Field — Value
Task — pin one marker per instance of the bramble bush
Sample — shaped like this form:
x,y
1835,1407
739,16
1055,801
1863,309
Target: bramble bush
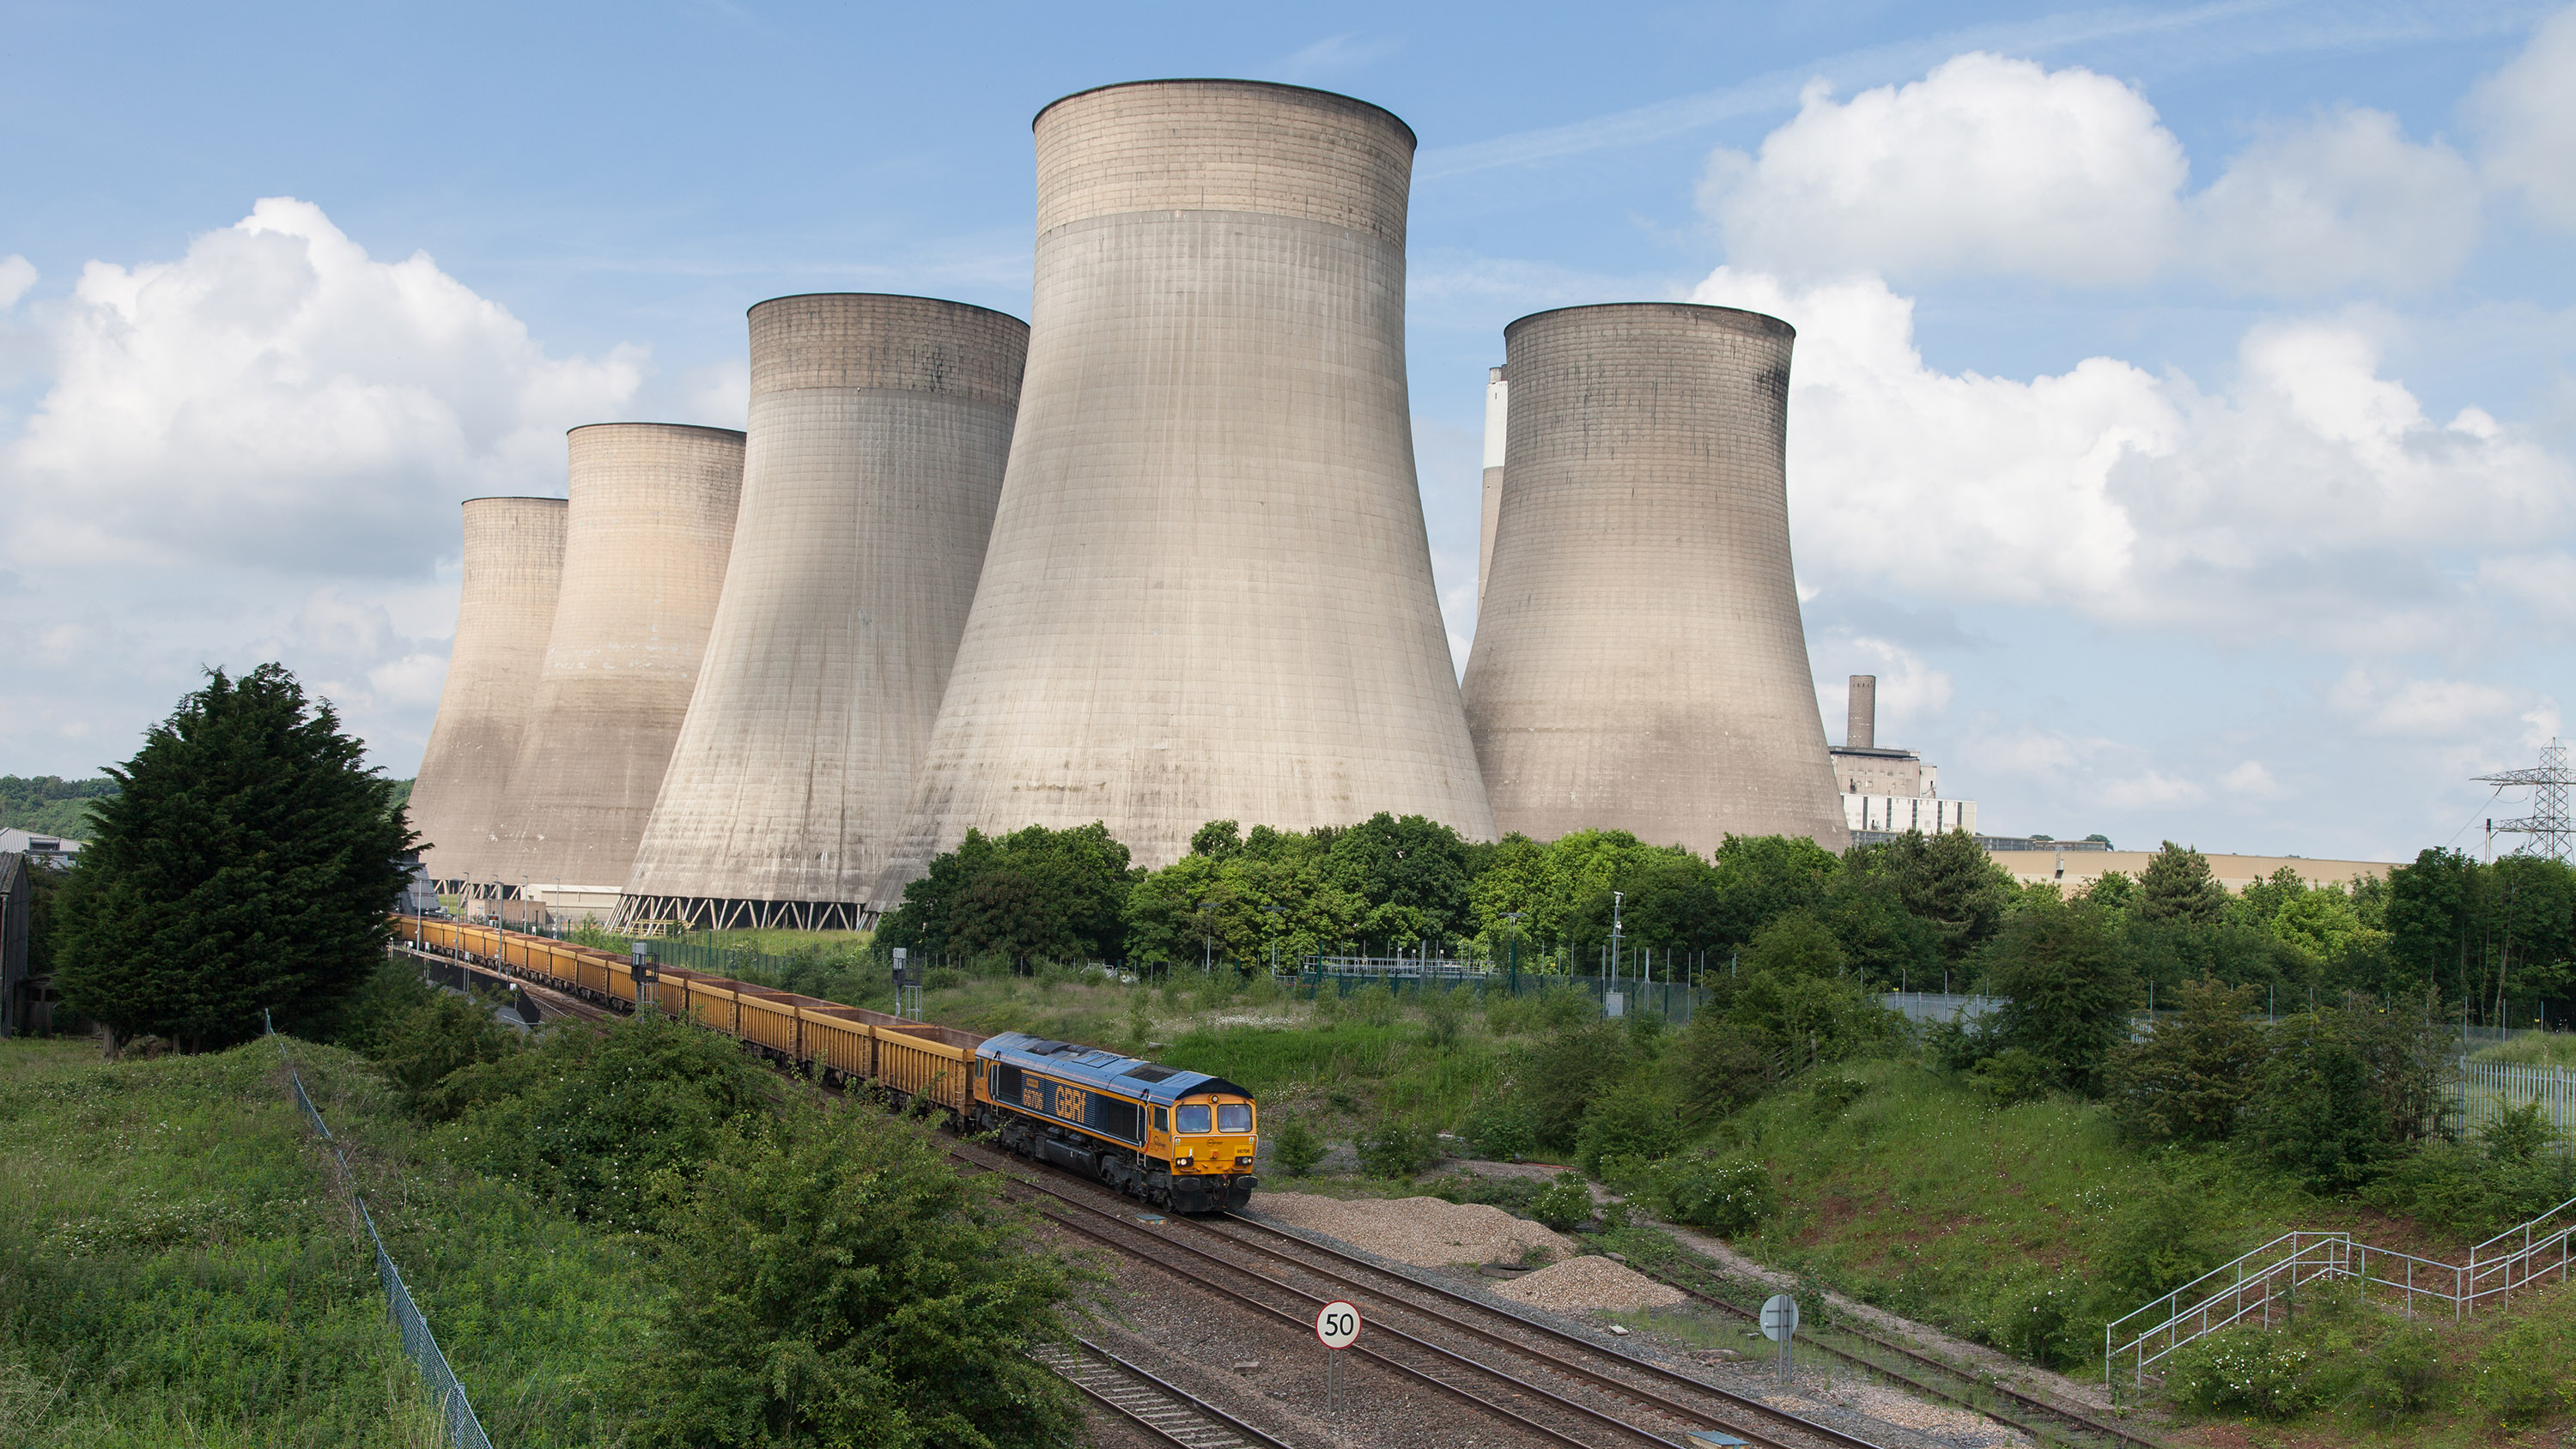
x,y
2250,1371
1499,1127
1397,1149
1566,1203
1295,1148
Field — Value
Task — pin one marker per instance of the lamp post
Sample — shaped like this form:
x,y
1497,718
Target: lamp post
x,y
1615,898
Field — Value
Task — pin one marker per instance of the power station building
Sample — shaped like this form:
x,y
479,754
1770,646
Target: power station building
x,y
1886,793
1209,588
879,430
1639,662
646,536
514,550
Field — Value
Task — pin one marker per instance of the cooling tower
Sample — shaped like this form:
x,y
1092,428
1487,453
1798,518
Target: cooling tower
x,y
1209,591
514,551
1498,397
879,430
645,541
1639,662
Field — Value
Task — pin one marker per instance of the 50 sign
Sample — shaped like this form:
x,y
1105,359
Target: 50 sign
x,y
1337,1325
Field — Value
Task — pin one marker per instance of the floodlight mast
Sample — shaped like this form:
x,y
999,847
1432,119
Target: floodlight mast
x,y
2552,834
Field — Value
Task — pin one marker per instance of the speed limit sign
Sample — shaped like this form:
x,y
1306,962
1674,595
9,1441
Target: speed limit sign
x,y
1337,1325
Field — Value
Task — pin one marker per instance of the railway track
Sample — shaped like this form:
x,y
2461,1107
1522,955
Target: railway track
x,y
2065,1426
1161,1408
1533,1407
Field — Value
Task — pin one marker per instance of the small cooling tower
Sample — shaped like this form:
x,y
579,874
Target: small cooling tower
x,y
1209,590
1639,662
514,551
879,429
645,542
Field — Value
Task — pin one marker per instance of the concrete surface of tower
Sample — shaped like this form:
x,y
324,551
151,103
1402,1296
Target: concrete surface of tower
x,y
645,543
879,429
513,558
1639,662
1209,591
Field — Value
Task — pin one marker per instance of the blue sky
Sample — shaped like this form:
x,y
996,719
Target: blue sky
x,y
2182,425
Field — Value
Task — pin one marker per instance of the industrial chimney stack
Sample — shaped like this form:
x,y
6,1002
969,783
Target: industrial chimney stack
x,y
1860,727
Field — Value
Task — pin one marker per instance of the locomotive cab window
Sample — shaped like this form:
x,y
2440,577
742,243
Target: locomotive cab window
x,y
1162,1120
1234,1117
1193,1117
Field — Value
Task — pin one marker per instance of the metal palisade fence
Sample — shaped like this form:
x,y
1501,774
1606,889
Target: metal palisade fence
x,y
2489,1089
455,1411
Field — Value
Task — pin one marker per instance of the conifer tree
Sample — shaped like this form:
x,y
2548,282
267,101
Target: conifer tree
x,y
247,863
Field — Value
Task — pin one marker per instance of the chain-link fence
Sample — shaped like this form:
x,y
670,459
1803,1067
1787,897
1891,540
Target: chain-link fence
x,y
464,1430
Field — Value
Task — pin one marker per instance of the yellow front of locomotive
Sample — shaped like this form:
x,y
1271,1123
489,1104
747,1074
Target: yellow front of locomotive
x,y
1214,1140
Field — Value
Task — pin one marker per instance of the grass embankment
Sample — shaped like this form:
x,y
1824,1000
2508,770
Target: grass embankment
x,y
175,1267
2557,1049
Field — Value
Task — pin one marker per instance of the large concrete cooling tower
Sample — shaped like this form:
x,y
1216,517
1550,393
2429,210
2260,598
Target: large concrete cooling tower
x,y
1639,662
879,429
513,564
645,541
1209,591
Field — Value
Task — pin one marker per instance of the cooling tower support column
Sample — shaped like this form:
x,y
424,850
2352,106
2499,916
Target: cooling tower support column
x,y
1209,590
1639,662
879,430
645,541
513,566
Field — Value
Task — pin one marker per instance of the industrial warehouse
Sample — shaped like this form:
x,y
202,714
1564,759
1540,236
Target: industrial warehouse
x,y
1156,558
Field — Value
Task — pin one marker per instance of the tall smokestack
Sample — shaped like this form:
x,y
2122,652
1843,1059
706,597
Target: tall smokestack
x,y
1860,728
879,428
514,551
1498,401
1639,662
1209,590
645,541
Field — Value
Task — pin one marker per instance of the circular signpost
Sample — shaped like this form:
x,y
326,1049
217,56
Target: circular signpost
x,y
1337,1327
1779,1324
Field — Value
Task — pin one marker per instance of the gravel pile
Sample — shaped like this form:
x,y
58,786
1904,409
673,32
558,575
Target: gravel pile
x,y
1423,1231
1590,1282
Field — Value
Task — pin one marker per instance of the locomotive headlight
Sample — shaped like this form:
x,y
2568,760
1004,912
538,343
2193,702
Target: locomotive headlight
x,y
1188,1158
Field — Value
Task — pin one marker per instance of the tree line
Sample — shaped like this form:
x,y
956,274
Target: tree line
x,y
1917,912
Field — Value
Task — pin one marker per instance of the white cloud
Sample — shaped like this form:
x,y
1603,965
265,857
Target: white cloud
x,y
2527,113
1986,164
277,398
254,451
2344,200
2251,781
2147,791
2382,701
1336,55
1910,691
2304,502
1996,165
17,274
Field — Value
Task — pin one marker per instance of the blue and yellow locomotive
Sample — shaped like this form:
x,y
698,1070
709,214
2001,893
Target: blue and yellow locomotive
x,y
1176,1139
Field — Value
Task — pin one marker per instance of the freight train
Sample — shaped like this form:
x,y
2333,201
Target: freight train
x,y
1176,1139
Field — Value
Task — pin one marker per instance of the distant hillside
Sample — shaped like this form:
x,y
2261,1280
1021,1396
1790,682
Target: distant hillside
x,y
50,804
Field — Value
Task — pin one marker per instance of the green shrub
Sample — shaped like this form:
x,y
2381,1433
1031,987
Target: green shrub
x,y
1705,1191
425,1046
1566,1008
1375,1005
2399,1378
1832,1096
2249,1371
1499,1127
2036,1317
1294,1147
1723,1066
1444,1016
1564,1203
2013,1076
1633,1122
2523,1376
1511,1194
1397,1149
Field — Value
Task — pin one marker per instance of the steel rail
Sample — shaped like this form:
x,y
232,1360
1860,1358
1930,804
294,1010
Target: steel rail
x,y
1407,1370
1787,1418
2044,1406
1183,1396
1643,1396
